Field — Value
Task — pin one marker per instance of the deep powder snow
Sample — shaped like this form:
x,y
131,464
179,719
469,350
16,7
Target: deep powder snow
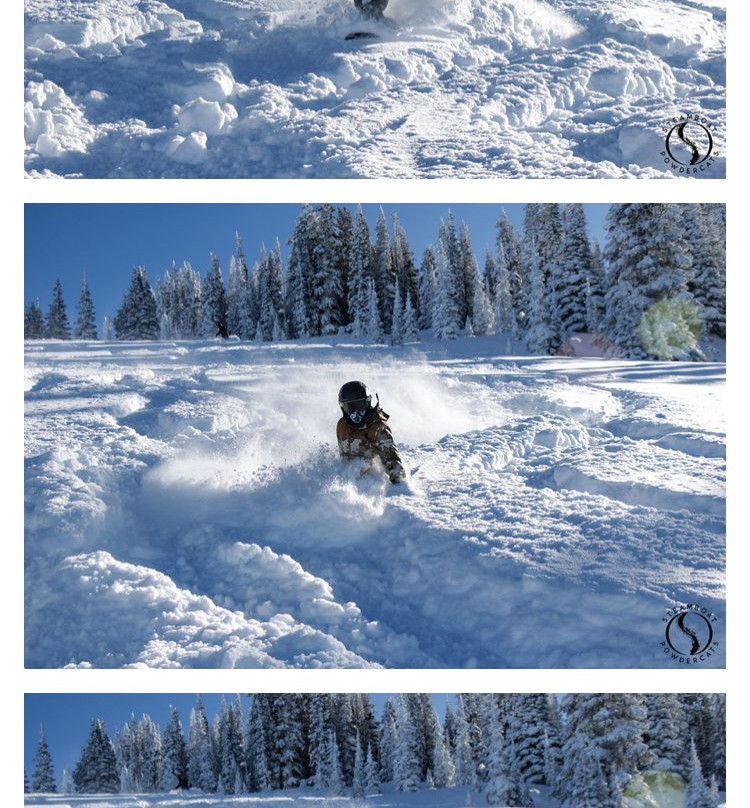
x,y
185,506
452,88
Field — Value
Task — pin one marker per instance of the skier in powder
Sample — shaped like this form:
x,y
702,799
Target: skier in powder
x,y
373,9
363,431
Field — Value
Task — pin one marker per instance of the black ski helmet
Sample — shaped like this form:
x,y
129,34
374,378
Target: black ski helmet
x,y
355,401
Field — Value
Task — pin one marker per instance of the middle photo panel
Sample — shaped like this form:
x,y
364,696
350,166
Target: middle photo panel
x,y
398,435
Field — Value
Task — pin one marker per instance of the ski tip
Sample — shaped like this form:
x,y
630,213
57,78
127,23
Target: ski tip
x,y
362,35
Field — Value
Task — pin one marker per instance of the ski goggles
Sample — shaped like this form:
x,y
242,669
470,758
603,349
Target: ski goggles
x,y
357,407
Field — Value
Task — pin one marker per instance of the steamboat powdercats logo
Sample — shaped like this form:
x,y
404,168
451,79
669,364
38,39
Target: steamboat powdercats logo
x,y
689,634
688,144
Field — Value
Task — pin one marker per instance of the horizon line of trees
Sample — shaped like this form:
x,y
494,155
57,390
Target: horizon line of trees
x,y
587,748
656,286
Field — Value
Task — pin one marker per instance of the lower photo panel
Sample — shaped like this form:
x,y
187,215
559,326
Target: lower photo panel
x,y
407,750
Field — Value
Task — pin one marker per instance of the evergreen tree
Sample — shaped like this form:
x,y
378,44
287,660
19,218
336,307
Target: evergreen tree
x,y
699,729
397,320
85,327
67,782
372,779
360,273
647,261
698,793
410,328
509,262
325,291
707,245
497,282
573,273
383,271
374,327
150,746
609,727
108,329
443,768
295,296
407,776
200,764
214,306
360,775
595,290
363,715
96,770
463,757
263,283
342,253
719,712
542,235
239,292
257,744
174,753
540,330
467,277
57,316
405,269
426,289
137,317
445,310
345,731
665,731
553,744
388,740
321,726
504,783
528,732
33,321
483,317
189,312
336,783
449,730
586,784
43,778
287,742
230,743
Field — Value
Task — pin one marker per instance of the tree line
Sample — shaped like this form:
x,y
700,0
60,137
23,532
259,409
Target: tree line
x,y
589,749
657,285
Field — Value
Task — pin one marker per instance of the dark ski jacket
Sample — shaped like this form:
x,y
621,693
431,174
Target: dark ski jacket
x,y
371,8
372,438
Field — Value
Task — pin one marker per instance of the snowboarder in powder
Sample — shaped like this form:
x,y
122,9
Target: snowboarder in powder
x,y
363,431
373,9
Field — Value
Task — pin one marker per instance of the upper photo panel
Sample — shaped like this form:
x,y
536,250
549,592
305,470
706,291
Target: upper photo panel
x,y
375,88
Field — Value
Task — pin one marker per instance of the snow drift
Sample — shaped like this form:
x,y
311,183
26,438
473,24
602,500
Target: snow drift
x,y
185,506
142,88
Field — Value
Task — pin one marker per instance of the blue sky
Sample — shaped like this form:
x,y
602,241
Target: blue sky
x,y
67,717
107,240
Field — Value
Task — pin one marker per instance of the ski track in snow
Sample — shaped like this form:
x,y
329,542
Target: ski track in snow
x,y
453,88
186,507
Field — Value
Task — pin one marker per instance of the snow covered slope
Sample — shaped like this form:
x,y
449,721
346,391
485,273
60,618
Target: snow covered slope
x,y
435,798
185,506
453,88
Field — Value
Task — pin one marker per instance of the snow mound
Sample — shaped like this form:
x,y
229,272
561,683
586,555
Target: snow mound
x,y
91,23
159,625
53,123
274,89
186,506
